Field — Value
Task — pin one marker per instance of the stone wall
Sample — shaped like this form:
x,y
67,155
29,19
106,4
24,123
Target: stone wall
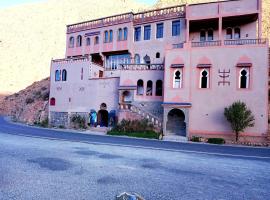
x,y
59,119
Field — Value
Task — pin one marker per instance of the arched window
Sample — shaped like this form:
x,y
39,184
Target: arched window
x,y
125,33
204,79
106,36
137,59
177,80
71,42
64,75
210,35
111,36
149,88
120,34
159,88
52,101
57,75
157,55
88,41
140,89
96,40
79,41
202,35
244,78
237,33
228,33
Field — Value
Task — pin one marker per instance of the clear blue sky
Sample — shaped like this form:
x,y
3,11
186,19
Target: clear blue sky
x,y
7,3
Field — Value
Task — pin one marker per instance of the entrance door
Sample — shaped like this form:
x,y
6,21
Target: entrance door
x,y
176,123
103,118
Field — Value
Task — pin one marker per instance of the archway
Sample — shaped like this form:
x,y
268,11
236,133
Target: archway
x,y
103,118
176,123
126,97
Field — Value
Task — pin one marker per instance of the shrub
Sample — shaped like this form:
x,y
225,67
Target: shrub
x,y
61,126
37,94
44,88
44,123
45,96
29,100
78,121
216,141
195,139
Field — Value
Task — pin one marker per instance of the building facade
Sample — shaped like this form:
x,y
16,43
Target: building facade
x,y
179,67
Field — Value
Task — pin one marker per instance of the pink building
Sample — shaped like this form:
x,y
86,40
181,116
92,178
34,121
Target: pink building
x,y
177,66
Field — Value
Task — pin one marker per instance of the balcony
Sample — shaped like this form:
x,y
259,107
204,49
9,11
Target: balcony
x,y
206,43
246,42
178,46
141,67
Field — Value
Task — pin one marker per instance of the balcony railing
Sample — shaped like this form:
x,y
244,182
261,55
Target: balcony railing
x,y
178,46
206,43
141,67
245,41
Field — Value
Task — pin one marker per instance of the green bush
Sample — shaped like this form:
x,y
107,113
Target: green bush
x,y
61,126
78,121
195,139
29,100
45,96
216,141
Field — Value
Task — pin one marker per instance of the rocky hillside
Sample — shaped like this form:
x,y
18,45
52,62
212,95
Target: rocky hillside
x,y
29,105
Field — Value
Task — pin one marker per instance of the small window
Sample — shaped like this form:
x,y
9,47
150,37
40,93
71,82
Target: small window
x,y
237,33
125,33
140,89
177,81
228,33
176,28
106,36
137,34
210,35
244,79
147,32
120,34
202,36
159,33
96,40
64,75
88,41
157,55
71,42
149,88
79,41
159,88
57,75
111,36
137,59
52,101
204,79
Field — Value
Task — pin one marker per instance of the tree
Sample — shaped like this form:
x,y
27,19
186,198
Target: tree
x,y
239,116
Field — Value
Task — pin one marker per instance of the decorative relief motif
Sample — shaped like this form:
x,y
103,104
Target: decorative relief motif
x,y
59,88
224,75
104,83
81,89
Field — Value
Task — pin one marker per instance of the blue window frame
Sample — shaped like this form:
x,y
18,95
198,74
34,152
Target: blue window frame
x,y
137,34
125,33
111,36
160,30
57,75
106,37
147,32
176,28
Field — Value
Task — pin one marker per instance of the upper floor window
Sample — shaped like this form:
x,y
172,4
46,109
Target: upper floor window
x,y
120,34
125,33
71,42
79,41
244,78
52,101
137,34
64,75
159,88
88,41
140,89
157,55
57,75
177,81
96,40
202,36
149,88
210,35
237,33
159,33
147,32
106,36
111,36
176,28
137,59
204,78
229,34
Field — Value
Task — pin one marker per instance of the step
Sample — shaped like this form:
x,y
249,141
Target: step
x,y
175,138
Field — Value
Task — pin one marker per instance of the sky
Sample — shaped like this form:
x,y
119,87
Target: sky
x,y
8,3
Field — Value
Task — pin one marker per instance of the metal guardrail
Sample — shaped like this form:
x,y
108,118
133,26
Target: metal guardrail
x,y
206,43
245,41
178,46
141,67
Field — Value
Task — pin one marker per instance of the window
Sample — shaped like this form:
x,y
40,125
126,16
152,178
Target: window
x,y
140,89
111,36
71,42
202,35
79,41
157,55
177,79
125,33
176,28
64,75
137,59
96,40
114,61
149,88
159,88
120,34
237,33
204,79
228,33
137,34
88,41
52,101
147,32
159,33
210,35
57,75
244,78
106,36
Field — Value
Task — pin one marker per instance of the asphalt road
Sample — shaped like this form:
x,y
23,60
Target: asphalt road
x,y
47,164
